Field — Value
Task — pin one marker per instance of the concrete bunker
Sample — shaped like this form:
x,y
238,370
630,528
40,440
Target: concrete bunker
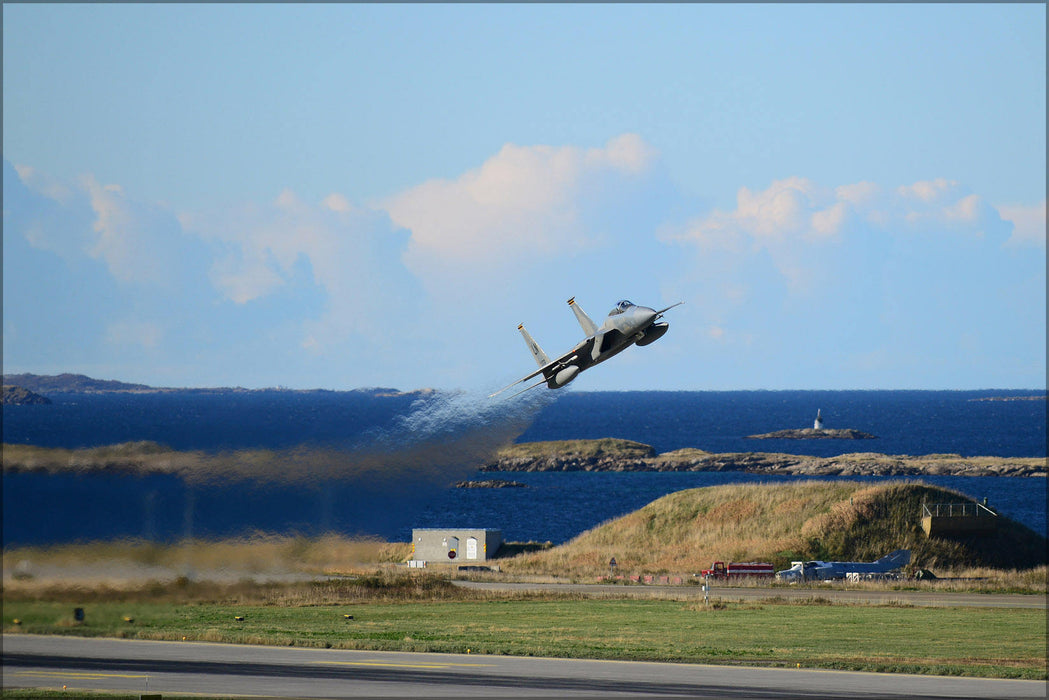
x,y
455,545
958,520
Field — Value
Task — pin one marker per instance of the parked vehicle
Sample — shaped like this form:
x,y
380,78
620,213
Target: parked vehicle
x,y
720,569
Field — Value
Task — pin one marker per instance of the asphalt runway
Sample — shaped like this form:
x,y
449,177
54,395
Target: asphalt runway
x,y
732,593
133,666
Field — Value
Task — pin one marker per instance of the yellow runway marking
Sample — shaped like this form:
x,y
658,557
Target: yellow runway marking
x,y
70,674
124,691
387,664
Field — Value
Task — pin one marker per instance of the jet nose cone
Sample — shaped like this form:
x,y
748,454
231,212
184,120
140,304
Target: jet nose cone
x,y
642,317
645,314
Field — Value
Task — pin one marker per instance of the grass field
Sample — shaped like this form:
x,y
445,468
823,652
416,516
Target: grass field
x,y
195,590
1000,643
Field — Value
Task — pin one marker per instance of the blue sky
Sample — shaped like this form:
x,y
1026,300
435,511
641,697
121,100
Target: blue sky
x,y
338,196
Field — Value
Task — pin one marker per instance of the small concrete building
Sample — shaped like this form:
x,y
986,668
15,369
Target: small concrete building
x,y
958,520
455,545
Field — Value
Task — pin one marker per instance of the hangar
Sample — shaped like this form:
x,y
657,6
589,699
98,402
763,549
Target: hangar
x,y
440,545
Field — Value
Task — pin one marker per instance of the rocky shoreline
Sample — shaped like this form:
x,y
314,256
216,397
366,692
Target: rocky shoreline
x,y
533,457
607,455
20,396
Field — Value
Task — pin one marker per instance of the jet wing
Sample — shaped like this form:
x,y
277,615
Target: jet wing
x,y
525,379
548,369
545,370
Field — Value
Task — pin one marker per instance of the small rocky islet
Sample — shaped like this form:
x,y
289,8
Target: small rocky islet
x,y
490,484
815,434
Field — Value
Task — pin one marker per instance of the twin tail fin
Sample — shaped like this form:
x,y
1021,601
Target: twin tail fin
x,y
537,352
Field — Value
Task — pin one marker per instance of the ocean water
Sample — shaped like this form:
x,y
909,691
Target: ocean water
x,y
456,432
904,422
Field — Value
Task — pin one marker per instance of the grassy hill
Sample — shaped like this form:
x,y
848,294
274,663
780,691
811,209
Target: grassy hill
x,y
841,520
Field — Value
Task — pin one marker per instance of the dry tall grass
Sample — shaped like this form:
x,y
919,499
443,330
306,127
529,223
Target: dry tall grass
x,y
686,531
129,563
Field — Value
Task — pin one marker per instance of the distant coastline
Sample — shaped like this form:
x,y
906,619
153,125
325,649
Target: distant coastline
x,y
82,384
1011,398
69,383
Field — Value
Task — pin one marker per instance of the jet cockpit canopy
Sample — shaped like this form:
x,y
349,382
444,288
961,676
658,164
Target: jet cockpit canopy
x,y
620,308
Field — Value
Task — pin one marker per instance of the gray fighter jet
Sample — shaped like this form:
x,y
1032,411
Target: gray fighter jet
x,y
627,324
837,570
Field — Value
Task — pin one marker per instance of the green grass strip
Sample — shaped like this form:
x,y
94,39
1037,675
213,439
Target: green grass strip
x,y
993,643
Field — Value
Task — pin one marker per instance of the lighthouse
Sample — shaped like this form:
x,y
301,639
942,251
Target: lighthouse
x,y
818,425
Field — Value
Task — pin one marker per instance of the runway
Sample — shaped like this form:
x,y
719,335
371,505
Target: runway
x,y
133,666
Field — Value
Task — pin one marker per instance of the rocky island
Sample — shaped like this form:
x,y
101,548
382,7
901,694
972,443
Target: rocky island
x,y
20,396
490,484
625,455
607,454
815,434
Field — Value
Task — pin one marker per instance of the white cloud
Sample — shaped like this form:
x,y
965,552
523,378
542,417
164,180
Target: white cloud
x,y
518,208
928,191
1028,224
829,222
43,184
789,210
138,243
244,276
785,208
123,240
336,202
793,218
860,194
352,254
49,214
626,152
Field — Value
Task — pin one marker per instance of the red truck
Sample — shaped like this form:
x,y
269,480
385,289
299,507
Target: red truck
x,y
720,569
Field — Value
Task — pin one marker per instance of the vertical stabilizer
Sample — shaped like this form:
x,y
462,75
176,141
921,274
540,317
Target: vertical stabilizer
x,y
901,557
588,326
537,352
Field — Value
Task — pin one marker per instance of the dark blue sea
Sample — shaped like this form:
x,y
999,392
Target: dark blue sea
x,y
427,442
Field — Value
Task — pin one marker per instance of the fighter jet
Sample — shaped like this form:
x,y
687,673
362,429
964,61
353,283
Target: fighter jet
x,y
627,324
831,570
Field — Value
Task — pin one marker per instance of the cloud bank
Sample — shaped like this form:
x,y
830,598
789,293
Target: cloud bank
x,y
800,284
865,284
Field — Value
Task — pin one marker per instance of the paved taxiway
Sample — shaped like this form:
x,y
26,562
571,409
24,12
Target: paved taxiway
x,y
832,594
133,666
